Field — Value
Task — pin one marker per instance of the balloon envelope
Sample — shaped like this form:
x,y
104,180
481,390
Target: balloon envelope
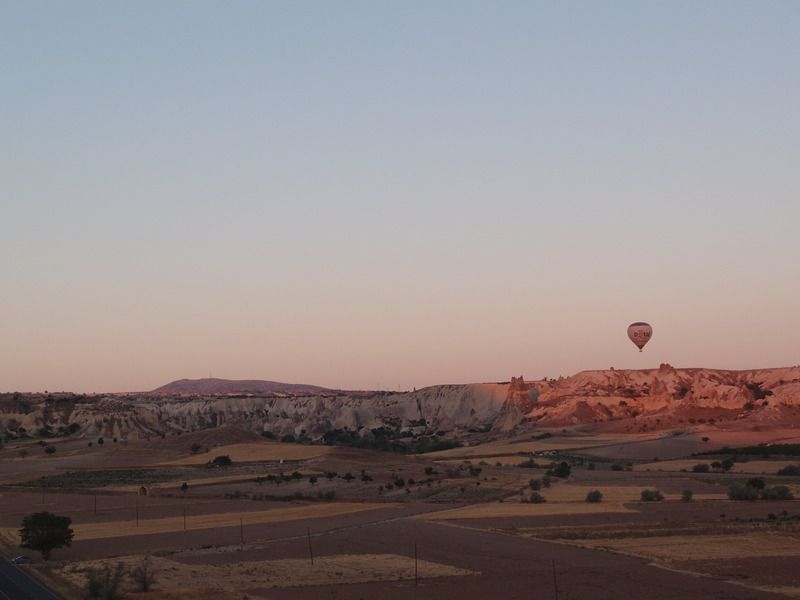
x,y
640,333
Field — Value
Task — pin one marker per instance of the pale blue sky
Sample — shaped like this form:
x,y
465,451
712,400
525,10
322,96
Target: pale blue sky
x,y
358,194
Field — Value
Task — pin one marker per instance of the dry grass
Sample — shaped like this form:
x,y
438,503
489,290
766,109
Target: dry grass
x,y
754,467
180,580
113,529
191,482
702,547
518,509
254,452
561,442
566,492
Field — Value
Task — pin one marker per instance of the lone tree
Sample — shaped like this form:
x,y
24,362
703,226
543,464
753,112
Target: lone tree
x,y
44,532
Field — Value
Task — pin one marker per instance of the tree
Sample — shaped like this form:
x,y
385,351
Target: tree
x,y
44,532
562,470
779,492
739,491
222,461
184,487
100,441
50,450
727,464
144,575
594,496
700,468
652,496
537,498
687,495
756,482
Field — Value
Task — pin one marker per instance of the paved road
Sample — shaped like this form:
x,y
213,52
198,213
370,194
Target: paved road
x,y
16,584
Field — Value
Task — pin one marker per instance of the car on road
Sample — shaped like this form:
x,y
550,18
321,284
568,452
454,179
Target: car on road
x,y
21,560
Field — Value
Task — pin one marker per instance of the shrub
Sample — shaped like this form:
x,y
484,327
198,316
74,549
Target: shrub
x,y
105,583
757,483
144,575
594,496
652,496
222,461
561,471
779,492
50,449
790,470
742,492
617,467
727,464
535,484
687,495
536,498
701,468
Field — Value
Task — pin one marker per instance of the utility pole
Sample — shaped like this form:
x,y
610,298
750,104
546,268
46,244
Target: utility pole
x,y
416,566
555,581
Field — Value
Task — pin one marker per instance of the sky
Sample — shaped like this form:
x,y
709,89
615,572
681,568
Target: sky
x,y
394,194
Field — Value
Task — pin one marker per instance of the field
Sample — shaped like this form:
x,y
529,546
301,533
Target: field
x,y
254,577
254,452
251,528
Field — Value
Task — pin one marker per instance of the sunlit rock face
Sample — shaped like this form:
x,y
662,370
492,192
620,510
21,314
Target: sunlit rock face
x,y
652,398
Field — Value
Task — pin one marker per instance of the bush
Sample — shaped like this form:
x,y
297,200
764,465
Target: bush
x,y
222,461
701,468
50,449
562,471
535,484
105,583
742,492
790,470
757,483
594,496
652,496
779,492
617,467
536,498
144,575
687,495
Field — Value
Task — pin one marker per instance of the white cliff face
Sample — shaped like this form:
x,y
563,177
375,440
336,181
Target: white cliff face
x,y
666,393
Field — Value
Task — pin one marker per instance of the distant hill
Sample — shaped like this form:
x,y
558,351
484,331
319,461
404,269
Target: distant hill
x,y
210,386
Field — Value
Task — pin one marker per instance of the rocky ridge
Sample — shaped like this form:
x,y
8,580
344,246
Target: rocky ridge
x,y
630,400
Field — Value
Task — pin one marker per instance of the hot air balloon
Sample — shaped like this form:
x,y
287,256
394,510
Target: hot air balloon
x,y
640,333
